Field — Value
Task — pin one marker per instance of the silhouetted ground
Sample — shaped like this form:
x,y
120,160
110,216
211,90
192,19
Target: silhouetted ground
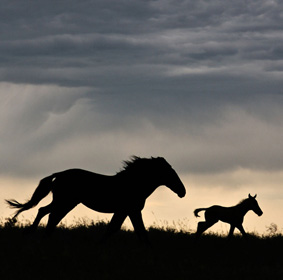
x,y
77,253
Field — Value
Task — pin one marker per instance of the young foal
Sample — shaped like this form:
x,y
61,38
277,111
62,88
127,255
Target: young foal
x,y
232,215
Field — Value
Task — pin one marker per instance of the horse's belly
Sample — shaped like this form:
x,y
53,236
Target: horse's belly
x,y
100,206
113,204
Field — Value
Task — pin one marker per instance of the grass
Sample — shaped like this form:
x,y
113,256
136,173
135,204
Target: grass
x,y
77,253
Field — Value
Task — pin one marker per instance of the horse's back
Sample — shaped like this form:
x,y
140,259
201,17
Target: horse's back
x,y
97,191
80,181
77,175
103,193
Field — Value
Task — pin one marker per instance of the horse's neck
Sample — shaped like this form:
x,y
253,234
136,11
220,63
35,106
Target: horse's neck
x,y
144,187
243,208
149,189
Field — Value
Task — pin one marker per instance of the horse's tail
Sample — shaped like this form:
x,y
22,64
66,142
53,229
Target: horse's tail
x,y
198,210
40,192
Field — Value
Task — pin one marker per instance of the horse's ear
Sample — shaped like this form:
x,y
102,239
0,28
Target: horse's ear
x,y
250,196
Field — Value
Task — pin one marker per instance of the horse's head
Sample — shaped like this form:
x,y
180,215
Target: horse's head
x,y
169,177
254,205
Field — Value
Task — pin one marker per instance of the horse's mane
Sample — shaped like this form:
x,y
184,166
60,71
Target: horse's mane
x,y
136,163
133,160
131,164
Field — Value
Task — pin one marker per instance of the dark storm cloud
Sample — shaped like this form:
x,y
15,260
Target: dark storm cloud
x,y
121,77
90,36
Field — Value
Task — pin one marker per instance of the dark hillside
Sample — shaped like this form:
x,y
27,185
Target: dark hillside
x,y
77,253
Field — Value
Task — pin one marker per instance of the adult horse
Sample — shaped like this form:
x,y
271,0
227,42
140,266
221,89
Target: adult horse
x,y
123,194
232,215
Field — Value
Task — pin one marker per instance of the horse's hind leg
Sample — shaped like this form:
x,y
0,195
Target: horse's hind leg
x,y
41,213
58,212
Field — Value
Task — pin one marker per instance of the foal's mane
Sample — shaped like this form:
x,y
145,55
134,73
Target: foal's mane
x,y
243,201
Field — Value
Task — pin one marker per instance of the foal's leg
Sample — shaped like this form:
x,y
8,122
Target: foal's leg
x,y
136,219
203,226
241,229
231,231
115,224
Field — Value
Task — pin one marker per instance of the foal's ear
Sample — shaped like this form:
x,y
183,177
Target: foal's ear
x,y
255,196
250,195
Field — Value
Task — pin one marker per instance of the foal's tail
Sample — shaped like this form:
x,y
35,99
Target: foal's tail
x,y
198,210
40,192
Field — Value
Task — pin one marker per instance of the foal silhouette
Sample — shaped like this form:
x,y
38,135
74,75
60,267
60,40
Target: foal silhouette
x,y
123,194
232,215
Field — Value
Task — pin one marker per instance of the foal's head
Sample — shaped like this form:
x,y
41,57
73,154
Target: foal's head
x,y
253,205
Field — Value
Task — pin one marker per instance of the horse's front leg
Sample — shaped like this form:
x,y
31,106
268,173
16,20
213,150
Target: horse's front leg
x,y
136,219
241,229
115,224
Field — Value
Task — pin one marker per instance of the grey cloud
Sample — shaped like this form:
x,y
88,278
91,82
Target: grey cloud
x,y
85,37
197,134
199,82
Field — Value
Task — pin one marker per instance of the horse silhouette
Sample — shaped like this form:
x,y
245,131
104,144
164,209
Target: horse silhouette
x,y
232,215
123,194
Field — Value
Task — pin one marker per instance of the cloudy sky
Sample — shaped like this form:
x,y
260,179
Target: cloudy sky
x,y
89,83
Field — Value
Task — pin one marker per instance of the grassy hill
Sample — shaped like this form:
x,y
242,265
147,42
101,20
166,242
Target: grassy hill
x,y
77,253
